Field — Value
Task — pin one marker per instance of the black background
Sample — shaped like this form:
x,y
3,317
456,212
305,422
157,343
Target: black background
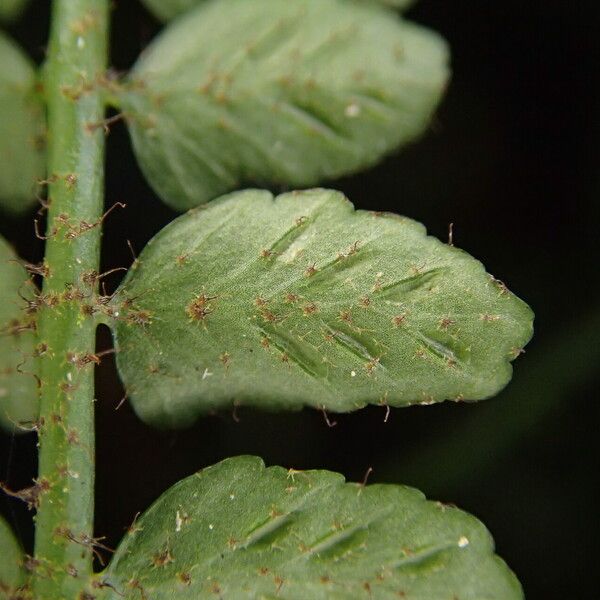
x,y
512,161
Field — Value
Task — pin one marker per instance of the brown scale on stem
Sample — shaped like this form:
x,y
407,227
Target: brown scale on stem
x,y
31,495
91,278
72,294
51,300
82,360
87,310
105,124
92,543
67,388
70,181
31,304
83,226
63,221
42,269
36,228
72,437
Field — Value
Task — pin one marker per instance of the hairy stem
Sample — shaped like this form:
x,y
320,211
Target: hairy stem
x,y
67,322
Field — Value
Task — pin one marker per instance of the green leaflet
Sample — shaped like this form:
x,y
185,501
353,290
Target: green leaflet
x,y
239,530
12,575
279,92
18,388
168,9
11,9
21,129
398,4
300,300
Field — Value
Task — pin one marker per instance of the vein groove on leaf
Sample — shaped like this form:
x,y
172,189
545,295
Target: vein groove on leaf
x,y
301,300
277,91
239,530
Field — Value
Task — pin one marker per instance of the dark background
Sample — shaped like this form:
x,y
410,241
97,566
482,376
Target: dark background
x,y
512,161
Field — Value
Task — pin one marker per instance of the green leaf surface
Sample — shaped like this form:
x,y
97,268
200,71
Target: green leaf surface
x,y
21,129
166,10
278,92
169,9
240,530
11,9
300,300
18,387
398,4
12,575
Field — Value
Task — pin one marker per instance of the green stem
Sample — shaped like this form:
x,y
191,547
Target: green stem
x,y
67,321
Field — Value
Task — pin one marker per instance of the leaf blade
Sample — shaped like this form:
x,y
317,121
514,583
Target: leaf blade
x,y
288,93
18,390
242,530
21,129
12,573
300,300
11,9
